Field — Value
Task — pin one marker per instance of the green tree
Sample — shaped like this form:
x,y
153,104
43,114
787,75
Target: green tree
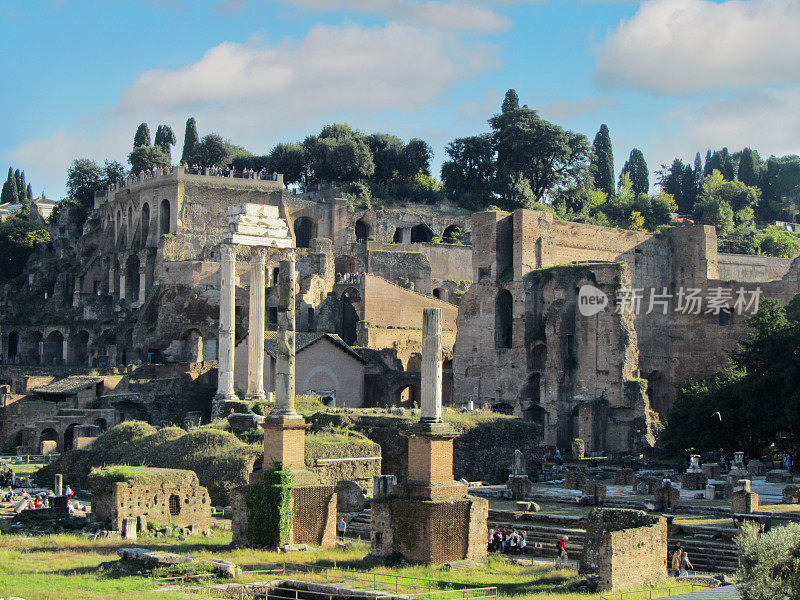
x,y
113,172
29,192
142,137
211,151
10,193
780,182
546,156
18,239
769,562
749,172
603,161
636,168
290,160
22,189
84,178
720,161
339,154
415,158
190,140
386,152
142,158
165,138
510,102
468,175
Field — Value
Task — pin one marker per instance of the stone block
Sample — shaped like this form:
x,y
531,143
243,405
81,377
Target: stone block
x,y
712,470
575,481
141,524
744,503
520,487
756,467
578,448
129,528
595,491
779,476
694,481
625,477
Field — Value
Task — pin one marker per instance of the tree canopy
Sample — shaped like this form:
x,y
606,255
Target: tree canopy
x,y
636,168
603,161
142,136
190,139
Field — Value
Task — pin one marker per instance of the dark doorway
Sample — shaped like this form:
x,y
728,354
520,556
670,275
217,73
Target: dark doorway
x,y
421,234
304,231
362,231
350,318
503,320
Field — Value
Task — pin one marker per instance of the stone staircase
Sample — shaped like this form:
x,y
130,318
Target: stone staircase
x,y
359,526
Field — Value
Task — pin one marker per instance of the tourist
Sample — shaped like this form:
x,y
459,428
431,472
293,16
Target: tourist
x,y
685,564
676,562
561,560
341,528
68,492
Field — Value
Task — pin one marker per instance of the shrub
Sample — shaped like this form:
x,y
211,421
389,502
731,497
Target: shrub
x,y
770,562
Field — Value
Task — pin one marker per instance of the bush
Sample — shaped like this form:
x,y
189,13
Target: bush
x,y
770,562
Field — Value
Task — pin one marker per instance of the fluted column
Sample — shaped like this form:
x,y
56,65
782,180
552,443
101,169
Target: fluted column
x,y
255,336
227,303
432,365
285,363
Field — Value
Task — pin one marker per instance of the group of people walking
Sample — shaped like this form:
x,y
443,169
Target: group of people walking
x,y
507,541
679,561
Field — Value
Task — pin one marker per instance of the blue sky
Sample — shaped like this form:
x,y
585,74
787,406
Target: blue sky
x,y
671,77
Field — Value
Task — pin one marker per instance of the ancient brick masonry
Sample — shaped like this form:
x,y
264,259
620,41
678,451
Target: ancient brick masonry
x,y
626,548
163,496
430,519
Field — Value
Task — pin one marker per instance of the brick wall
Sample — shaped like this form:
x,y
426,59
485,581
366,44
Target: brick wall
x,y
314,515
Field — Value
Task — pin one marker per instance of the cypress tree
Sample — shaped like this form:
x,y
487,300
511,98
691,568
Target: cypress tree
x,y
603,162
190,140
749,168
29,192
636,168
9,193
511,101
142,137
18,180
22,189
165,138
707,164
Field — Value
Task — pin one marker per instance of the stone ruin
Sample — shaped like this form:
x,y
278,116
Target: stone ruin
x,y
626,548
431,519
262,509
694,478
667,495
131,497
743,500
519,483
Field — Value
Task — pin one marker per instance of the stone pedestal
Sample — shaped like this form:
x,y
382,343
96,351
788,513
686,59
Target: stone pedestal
x,y
696,480
744,501
712,470
756,467
284,441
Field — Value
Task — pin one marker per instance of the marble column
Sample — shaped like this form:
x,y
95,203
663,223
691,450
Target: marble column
x,y
255,336
227,324
285,363
431,365
122,284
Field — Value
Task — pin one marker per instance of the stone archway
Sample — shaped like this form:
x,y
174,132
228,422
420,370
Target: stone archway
x,y
452,234
421,234
350,315
407,396
53,352
132,279
362,231
164,221
79,348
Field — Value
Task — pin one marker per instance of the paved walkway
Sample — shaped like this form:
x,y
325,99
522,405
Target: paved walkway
x,y
725,592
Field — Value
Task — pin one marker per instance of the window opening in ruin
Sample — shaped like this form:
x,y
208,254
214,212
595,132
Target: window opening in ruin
x,y
503,408
397,238
164,218
305,230
145,227
13,344
174,505
272,314
350,317
452,234
503,320
421,234
69,437
725,317
132,279
484,274
362,231
54,348
275,272
407,396
439,293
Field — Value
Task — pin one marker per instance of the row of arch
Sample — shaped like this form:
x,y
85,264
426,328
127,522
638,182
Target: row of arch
x,y
305,230
122,223
57,349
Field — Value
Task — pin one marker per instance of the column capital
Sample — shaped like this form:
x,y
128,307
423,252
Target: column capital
x,y
227,252
258,254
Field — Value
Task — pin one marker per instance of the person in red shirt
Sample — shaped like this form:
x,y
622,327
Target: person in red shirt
x,y
562,551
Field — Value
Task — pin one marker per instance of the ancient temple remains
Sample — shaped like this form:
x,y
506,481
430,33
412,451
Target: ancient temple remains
x,y
430,519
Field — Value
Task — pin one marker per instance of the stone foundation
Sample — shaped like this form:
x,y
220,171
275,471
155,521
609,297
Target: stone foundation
x,y
625,477
430,532
626,548
694,481
575,481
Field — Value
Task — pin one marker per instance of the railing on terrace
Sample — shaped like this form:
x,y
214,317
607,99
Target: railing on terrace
x,y
380,584
650,593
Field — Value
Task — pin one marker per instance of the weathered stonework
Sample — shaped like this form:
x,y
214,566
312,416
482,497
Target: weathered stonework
x,y
626,548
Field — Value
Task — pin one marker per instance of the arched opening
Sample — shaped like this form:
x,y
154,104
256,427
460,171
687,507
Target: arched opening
x,y
407,396
80,348
174,505
33,344
534,392
503,320
440,293
538,357
101,423
536,413
13,345
421,234
54,348
48,435
192,346
69,437
452,234
305,230
132,279
362,231
350,318
164,218
503,408
145,222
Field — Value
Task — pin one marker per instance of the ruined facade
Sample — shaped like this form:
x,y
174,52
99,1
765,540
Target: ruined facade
x,y
523,345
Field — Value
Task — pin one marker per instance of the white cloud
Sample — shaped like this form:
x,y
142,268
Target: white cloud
x,y
258,93
686,46
568,109
766,120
